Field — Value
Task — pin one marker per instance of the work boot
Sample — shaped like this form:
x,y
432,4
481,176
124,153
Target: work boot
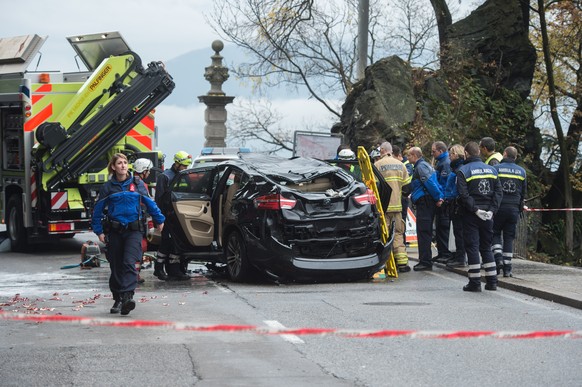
x,y
455,264
175,272
507,271
491,283
116,308
441,258
422,266
499,264
159,271
127,303
404,268
184,266
490,286
472,287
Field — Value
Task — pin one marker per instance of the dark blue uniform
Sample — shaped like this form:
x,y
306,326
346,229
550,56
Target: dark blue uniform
x,y
452,206
513,183
442,220
406,193
166,253
479,189
123,200
425,193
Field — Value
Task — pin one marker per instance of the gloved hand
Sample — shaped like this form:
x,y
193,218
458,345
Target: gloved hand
x,y
484,215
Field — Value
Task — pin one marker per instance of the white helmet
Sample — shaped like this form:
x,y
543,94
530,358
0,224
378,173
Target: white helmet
x,y
346,154
142,165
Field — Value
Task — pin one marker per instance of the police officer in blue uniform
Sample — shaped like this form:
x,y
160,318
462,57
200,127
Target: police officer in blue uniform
x,y
457,155
123,196
513,182
443,222
426,196
480,196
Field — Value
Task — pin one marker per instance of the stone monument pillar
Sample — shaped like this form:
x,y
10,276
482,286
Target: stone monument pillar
x,y
215,100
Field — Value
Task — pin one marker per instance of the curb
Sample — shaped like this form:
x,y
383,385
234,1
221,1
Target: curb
x,y
544,294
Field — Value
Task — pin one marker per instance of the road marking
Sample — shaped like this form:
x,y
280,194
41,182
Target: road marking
x,y
290,338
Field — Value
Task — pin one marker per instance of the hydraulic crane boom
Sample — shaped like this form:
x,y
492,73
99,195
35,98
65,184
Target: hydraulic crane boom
x,y
112,101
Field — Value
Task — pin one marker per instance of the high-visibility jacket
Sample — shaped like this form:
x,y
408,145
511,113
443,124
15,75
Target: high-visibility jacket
x,y
396,176
494,159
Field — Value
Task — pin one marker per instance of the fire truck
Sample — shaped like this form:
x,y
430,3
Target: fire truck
x,y
59,130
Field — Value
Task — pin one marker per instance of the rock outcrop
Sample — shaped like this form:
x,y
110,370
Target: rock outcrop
x,y
491,46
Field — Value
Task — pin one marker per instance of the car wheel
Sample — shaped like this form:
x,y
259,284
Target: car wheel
x,y
236,258
15,224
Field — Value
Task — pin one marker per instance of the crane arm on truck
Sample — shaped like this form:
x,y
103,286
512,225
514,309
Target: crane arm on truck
x,y
118,95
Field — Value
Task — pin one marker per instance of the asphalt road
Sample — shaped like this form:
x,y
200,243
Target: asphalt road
x,y
47,353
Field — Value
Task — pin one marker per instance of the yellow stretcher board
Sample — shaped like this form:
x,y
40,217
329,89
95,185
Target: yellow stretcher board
x,y
370,180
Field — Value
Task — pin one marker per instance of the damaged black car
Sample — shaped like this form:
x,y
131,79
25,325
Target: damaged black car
x,y
297,219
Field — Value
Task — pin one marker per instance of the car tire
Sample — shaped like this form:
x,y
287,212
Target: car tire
x,y
235,255
15,224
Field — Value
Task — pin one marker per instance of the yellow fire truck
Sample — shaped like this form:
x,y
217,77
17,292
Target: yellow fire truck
x,y
59,130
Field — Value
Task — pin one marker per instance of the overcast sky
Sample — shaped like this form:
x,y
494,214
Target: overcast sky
x,y
157,30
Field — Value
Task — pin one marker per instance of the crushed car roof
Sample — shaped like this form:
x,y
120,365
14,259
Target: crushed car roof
x,y
295,170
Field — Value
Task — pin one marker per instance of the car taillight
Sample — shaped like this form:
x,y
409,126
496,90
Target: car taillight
x,y
367,198
274,202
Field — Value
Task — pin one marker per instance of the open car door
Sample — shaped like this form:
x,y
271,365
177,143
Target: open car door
x,y
191,202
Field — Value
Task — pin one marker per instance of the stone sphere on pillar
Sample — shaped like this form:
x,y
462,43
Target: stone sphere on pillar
x,y
217,46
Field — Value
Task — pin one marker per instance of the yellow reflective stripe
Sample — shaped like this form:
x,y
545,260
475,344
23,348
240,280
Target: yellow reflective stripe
x,y
482,177
497,156
395,208
512,176
407,181
393,178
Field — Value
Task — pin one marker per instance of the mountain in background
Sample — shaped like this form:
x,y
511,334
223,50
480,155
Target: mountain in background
x,y
188,73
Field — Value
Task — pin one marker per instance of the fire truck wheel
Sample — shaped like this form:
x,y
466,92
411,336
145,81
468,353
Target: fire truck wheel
x,y
15,225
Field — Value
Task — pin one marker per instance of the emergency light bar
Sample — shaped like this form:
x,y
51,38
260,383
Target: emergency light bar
x,y
209,151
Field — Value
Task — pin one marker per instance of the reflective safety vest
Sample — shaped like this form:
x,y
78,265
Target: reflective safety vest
x,y
495,156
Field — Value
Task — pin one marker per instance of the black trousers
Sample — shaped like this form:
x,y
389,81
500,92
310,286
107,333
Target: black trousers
x,y
425,211
165,247
457,220
478,235
123,251
504,228
443,228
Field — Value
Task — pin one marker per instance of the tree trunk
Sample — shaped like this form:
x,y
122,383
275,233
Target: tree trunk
x,y
564,157
444,20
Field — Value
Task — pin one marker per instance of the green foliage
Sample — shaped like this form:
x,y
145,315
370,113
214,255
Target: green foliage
x,y
474,114
552,241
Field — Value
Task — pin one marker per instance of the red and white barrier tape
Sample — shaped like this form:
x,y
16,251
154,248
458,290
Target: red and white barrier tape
x,y
551,209
412,334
